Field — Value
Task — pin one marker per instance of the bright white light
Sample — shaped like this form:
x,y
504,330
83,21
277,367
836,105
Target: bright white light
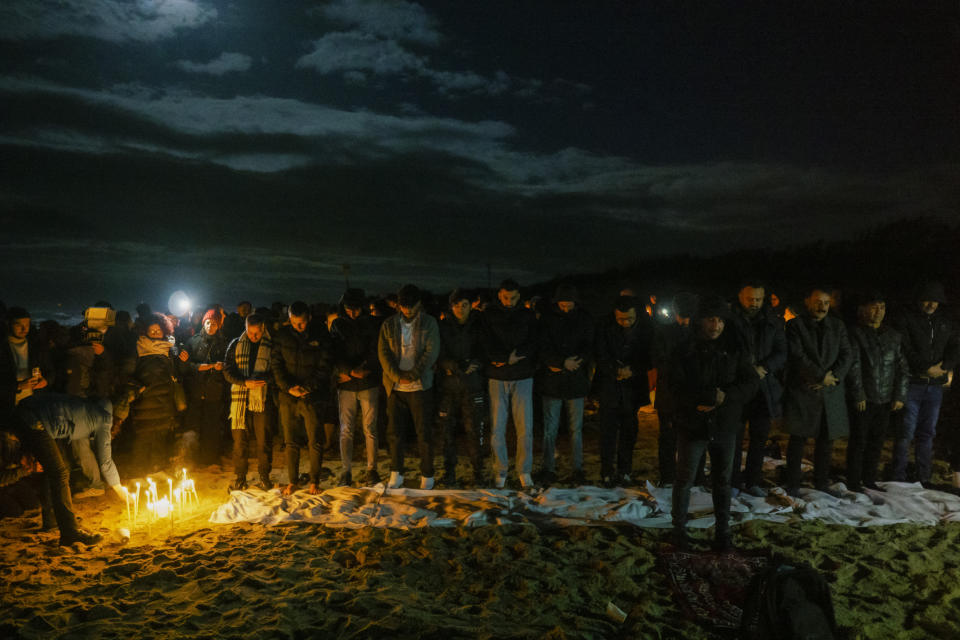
x,y
179,303
665,312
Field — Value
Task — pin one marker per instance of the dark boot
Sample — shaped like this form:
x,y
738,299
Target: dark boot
x,y
86,538
680,539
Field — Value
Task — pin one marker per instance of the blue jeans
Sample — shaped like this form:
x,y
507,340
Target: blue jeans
x,y
367,401
551,424
517,395
920,414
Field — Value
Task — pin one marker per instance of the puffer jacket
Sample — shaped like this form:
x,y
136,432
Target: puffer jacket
x,y
301,359
880,374
154,407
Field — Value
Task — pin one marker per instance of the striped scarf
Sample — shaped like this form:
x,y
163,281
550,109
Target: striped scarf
x,y
242,398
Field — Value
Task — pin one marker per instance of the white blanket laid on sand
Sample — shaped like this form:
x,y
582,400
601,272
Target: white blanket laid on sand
x,y
410,508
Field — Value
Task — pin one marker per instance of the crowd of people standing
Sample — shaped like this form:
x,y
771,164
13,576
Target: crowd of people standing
x,y
158,389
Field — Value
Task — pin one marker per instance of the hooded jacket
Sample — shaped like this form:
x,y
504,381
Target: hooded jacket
x,y
927,340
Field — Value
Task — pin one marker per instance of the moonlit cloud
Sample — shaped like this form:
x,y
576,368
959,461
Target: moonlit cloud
x,y
380,42
225,63
391,19
356,51
112,20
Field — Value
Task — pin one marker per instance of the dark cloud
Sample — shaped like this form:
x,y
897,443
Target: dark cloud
x,y
226,62
222,147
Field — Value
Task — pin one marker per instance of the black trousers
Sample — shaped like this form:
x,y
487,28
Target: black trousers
x,y
823,448
690,450
868,430
152,446
667,447
456,400
416,408
55,488
207,417
300,419
757,415
259,429
618,435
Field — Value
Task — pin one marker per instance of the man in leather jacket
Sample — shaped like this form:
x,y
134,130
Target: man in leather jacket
x,y
876,387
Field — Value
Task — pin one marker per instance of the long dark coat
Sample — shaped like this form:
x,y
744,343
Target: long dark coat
x,y
807,364
763,337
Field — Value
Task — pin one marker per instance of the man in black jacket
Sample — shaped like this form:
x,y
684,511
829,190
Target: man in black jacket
x,y
566,347
301,369
623,359
877,386
930,343
761,334
713,377
509,339
461,386
356,370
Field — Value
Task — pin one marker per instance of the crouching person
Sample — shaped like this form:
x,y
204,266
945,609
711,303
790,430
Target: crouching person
x,y
39,421
713,378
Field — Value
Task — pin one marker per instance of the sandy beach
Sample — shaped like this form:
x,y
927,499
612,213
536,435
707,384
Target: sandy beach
x,y
193,579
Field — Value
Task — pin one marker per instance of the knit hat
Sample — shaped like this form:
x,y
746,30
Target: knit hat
x,y
931,292
212,314
713,307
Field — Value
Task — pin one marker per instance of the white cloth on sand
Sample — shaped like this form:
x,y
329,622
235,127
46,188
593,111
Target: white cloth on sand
x,y
410,508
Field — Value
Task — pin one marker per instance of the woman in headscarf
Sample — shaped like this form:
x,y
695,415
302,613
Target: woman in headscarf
x,y
206,398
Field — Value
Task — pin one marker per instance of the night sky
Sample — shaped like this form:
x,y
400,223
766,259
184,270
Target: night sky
x,y
249,149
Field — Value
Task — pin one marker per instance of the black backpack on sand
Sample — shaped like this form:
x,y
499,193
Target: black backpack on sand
x,y
787,602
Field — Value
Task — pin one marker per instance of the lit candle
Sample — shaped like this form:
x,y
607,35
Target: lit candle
x,y
126,495
136,503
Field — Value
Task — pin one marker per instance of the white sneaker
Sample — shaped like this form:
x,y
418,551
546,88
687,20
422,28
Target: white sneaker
x,y
396,480
426,483
501,482
526,481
